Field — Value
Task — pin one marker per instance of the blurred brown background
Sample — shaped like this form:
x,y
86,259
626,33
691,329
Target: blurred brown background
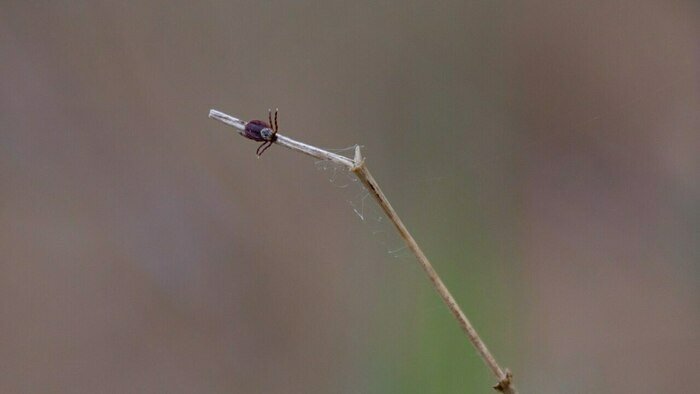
x,y
544,153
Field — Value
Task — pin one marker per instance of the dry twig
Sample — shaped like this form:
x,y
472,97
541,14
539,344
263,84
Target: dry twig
x,y
359,168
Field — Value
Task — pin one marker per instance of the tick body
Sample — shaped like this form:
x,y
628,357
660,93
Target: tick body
x,y
258,130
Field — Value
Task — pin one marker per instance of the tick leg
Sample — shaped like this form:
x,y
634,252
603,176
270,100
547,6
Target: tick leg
x,y
266,145
276,127
257,151
269,116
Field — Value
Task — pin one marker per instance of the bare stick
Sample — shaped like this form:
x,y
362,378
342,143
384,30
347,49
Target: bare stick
x,y
358,167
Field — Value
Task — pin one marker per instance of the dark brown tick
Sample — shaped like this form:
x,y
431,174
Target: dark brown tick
x,y
258,130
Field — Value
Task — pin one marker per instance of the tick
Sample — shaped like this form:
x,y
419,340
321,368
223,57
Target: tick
x,y
258,130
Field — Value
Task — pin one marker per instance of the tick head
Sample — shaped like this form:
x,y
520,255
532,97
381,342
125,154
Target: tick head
x,y
267,133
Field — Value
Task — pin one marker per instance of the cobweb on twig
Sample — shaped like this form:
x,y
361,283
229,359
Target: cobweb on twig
x,y
362,204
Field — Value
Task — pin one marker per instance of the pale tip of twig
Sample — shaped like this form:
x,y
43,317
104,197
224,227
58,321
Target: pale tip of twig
x,y
228,119
358,161
358,155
